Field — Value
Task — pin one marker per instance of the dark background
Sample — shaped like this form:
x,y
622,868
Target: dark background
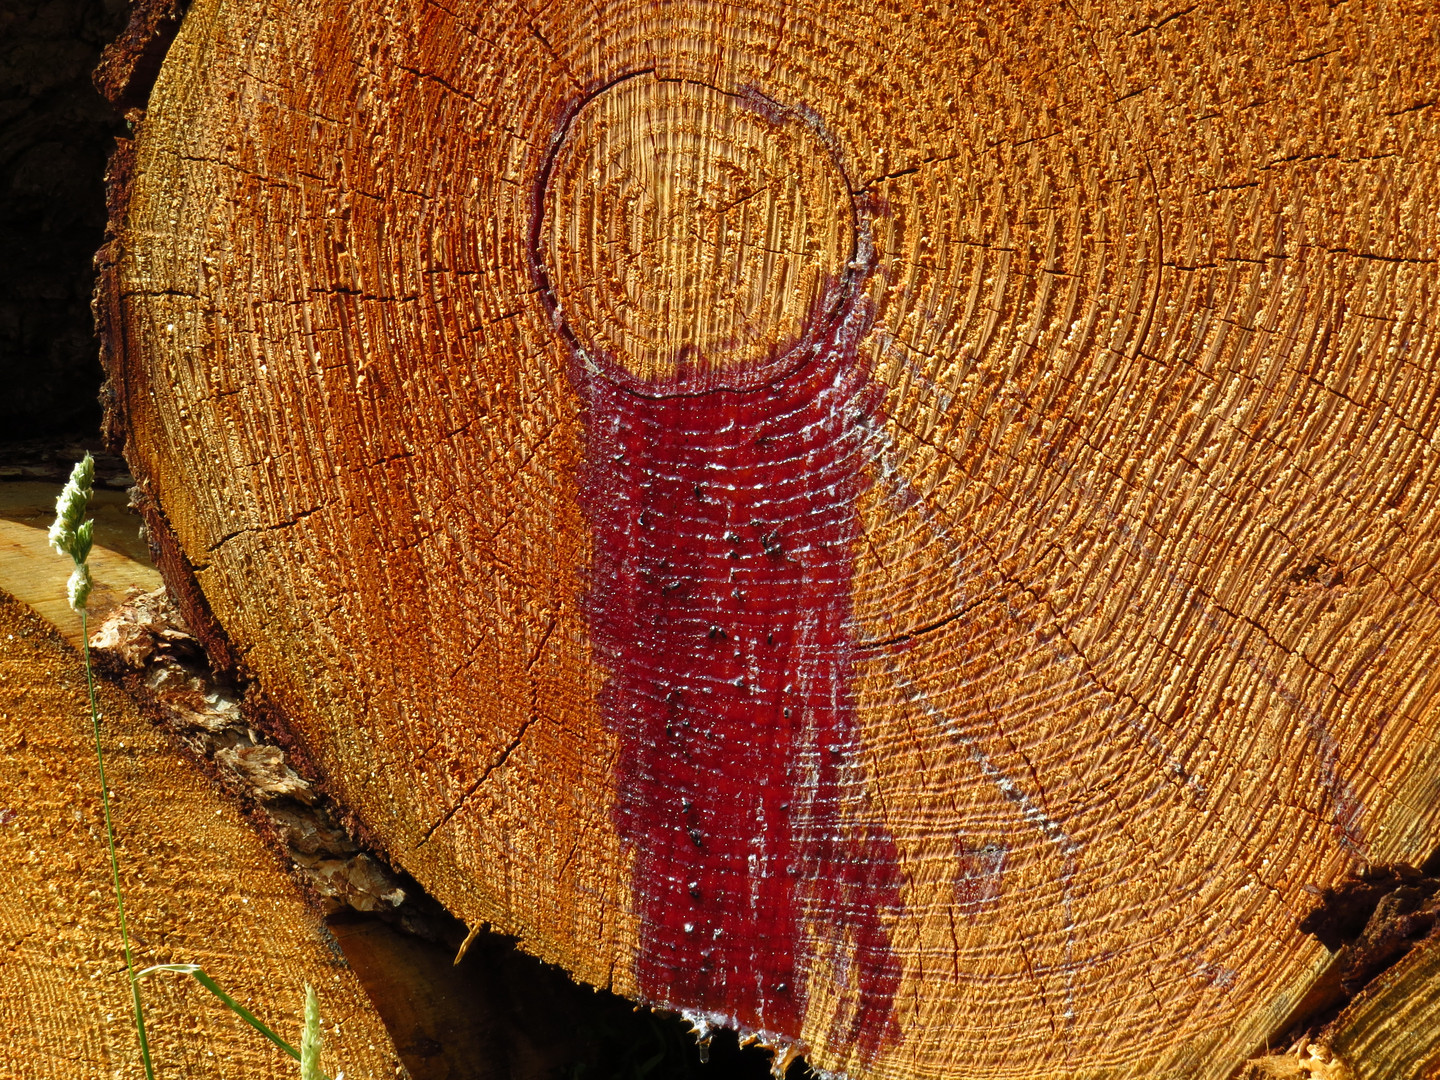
x,y
55,135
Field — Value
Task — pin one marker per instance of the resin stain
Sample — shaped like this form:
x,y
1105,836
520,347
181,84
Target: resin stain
x,y
721,480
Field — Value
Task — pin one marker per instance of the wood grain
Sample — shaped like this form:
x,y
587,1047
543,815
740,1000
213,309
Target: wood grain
x,y
1394,1030
1391,1029
200,888
1059,380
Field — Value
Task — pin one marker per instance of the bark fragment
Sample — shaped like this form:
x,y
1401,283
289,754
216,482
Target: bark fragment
x,y
130,64
146,643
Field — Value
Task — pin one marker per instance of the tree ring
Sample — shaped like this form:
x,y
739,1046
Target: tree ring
x,y
690,238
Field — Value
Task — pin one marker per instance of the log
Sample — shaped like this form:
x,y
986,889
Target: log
x,y
1390,1030
454,1005
200,888
908,531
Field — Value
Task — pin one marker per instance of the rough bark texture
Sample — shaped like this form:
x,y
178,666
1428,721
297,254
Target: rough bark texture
x,y
130,64
200,888
909,530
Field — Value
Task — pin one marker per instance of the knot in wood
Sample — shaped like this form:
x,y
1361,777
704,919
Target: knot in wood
x,y
690,237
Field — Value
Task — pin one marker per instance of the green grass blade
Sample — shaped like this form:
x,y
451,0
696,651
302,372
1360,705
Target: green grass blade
x,y
114,861
198,973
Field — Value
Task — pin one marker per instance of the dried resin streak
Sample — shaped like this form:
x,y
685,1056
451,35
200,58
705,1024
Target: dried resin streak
x,y
726,438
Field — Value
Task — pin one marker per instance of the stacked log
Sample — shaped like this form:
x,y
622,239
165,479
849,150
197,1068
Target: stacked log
x,y
909,531
200,887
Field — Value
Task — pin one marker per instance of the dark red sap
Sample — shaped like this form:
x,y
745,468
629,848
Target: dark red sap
x,y
724,528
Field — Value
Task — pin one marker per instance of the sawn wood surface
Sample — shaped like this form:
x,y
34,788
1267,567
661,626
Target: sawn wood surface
x,y
910,529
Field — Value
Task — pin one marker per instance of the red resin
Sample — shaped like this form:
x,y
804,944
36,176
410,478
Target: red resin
x,y
724,527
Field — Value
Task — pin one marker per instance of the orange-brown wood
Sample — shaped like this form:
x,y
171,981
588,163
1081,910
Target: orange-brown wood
x,y
496,1014
909,529
200,887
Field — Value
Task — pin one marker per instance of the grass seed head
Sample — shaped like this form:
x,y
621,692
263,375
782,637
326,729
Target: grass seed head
x,y
78,587
310,1040
71,534
71,505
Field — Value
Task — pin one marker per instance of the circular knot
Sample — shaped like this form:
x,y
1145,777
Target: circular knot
x,y
692,238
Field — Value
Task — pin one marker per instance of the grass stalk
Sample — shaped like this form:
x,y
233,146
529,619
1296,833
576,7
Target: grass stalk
x,y
73,535
114,859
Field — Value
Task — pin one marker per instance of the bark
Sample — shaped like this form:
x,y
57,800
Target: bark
x,y
907,532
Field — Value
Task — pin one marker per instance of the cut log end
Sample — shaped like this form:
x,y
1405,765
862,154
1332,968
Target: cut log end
x,y
910,533
200,887
691,238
